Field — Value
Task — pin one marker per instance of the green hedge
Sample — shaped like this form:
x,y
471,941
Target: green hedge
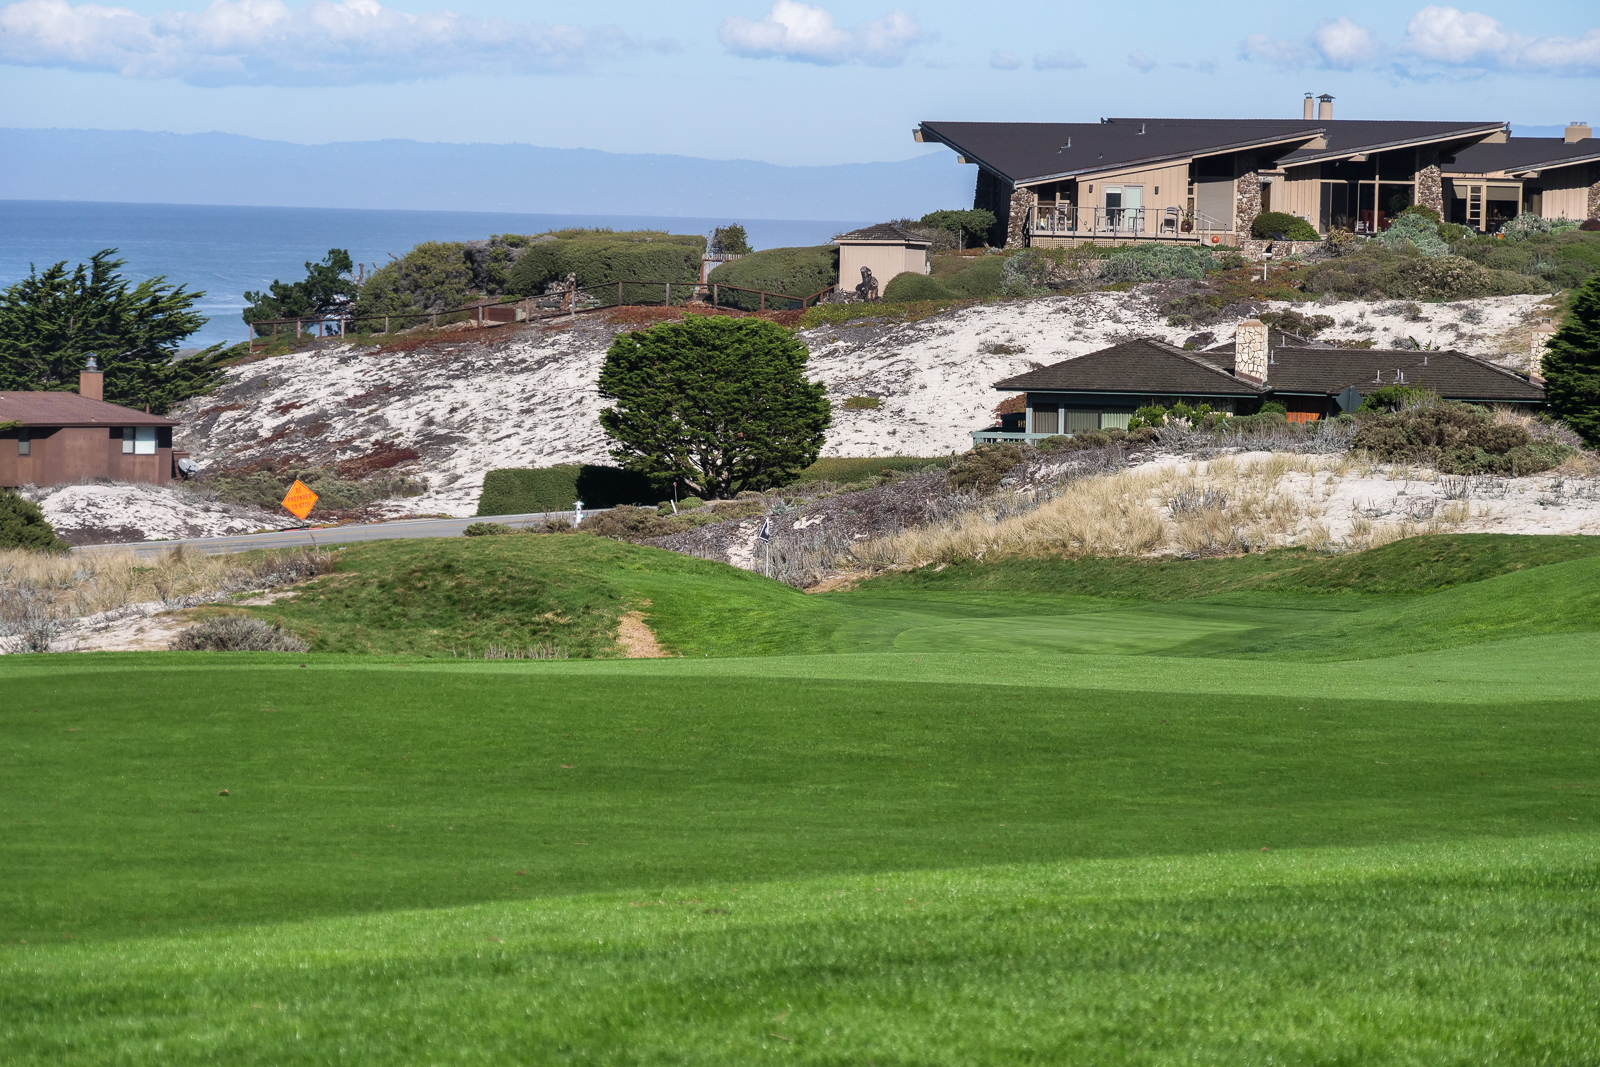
x,y
912,286
793,272
602,261
1270,224
845,471
516,491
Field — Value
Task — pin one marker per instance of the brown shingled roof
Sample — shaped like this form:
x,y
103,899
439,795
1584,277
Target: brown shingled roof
x,y
1139,366
70,409
1453,375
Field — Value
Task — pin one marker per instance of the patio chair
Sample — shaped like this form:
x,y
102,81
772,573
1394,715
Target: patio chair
x,y
1169,219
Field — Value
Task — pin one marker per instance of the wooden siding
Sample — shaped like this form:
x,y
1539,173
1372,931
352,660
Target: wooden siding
x,y
66,455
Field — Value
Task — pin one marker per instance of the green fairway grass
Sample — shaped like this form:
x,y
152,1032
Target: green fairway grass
x,y
1284,809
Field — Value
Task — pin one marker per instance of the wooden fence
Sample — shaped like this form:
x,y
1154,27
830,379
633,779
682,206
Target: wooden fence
x,y
506,310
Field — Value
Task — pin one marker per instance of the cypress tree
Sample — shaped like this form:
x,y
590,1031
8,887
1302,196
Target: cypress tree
x,y
1572,364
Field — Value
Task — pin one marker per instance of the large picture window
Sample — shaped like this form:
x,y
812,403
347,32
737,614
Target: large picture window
x,y
138,440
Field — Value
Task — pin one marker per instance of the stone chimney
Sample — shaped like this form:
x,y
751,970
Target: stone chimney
x,y
1579,131
92,383
1536,348
1309,109
1250,351
1324,107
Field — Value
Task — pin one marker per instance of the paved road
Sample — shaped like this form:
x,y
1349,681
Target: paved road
x,y
333,535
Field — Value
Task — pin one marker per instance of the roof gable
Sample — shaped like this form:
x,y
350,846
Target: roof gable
x,y
1139,366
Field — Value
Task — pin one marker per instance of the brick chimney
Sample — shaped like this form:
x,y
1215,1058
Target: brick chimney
x,y
1536,348
1250,351
1579,131
92,383
1324,107
1309,109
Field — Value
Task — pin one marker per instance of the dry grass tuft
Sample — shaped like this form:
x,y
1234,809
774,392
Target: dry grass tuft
x,y
41,596
1219,507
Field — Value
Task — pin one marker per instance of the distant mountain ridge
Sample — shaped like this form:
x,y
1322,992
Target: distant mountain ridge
x,y
132,166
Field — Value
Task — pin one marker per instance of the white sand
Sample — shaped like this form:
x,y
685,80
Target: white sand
x,y
530,399
95,513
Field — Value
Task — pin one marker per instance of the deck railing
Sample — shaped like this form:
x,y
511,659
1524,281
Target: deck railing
x,y
585,298
1070,220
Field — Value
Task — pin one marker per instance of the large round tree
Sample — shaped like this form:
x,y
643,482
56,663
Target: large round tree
x,y
1572,364
719,403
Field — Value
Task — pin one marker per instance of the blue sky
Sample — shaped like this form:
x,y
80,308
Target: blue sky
x,y
786,82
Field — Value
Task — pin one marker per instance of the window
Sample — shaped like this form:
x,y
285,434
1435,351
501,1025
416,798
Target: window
x,y
1044,420
1079,421
138,440
24,442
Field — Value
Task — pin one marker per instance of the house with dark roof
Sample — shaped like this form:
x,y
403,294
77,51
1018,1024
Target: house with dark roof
x,y
1487,185
1204,181
1103,389
49,438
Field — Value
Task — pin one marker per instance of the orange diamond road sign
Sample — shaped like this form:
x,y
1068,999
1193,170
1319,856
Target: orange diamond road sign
x,y
300,499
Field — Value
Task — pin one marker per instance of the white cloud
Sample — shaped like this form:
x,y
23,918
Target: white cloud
x,y
1141,62
1343,45
1004,60
1436,37
1338,43
266,42
1062,60
808,34
1455,38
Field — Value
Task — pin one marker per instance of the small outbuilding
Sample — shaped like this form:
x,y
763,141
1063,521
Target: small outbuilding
x,y
884,251
49,438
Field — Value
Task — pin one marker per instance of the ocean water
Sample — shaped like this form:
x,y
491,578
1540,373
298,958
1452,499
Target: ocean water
x,y
224,251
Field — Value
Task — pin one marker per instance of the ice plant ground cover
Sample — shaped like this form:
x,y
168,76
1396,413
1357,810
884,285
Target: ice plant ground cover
x,y
1278,808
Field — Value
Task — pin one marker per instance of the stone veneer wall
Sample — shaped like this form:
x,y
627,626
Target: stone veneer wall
x,y
1023,201
1246,196
1594,198
1250,350
1430,183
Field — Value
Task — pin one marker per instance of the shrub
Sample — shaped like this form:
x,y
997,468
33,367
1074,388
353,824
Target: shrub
x,y
1421,232
1528,225
1293,322
1398,398
517,491
1377,272
236,633
1272,407
982,468
980,278
862,403
1589,225
1425,211
845,471
1282,226
796,272
1456,438
602,259
909,285
485,529
433,276
1148,263
23,525
265,488
973,224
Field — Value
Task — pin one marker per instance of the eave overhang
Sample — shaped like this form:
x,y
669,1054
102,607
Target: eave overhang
x,y
1341,154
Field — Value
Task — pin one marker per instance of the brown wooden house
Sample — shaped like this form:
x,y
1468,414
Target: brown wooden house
x,y
61,438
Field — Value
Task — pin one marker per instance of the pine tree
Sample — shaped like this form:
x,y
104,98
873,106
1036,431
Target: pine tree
x,y
1572,364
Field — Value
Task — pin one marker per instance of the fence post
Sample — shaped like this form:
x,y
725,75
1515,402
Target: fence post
x,y
433,319
619,294
714,295
297,329
763,301
386,324
669,294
